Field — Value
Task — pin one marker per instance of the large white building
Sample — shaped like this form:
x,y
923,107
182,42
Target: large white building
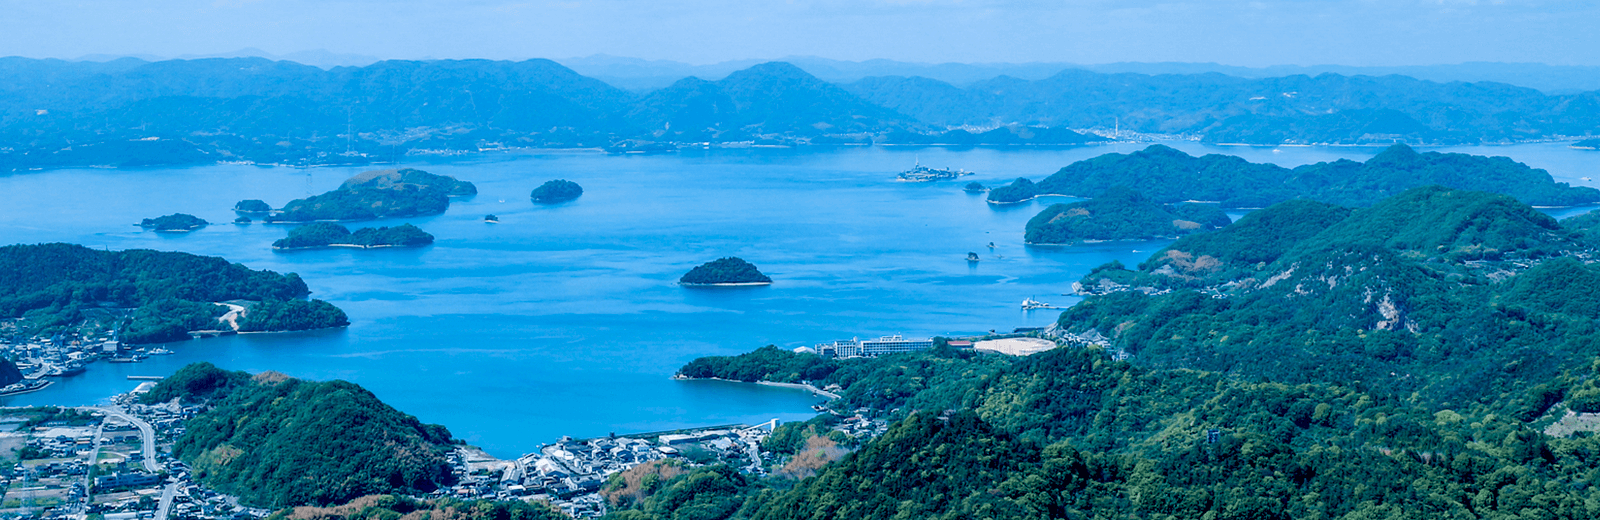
x,y
873,347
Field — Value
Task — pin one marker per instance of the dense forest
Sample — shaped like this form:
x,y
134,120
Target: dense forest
x,y
1168,175
276,441
387,179
1307,361
393,507
273,315
328,234
132,113
176,222
1121,214
559,190
726,270
368,204
51,285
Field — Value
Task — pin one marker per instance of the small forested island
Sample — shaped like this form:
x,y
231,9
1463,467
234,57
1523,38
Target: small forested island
x,y
1121,214
327,234
974,187
491,219
253,207
1167,175
242,220
342,441
1307,361
559,190
727,271
174,223
1587,144
378,194
152,296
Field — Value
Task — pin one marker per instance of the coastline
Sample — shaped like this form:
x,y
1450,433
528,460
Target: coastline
x,y
46,384
796,386
725,284
289,331
351,246
1029,199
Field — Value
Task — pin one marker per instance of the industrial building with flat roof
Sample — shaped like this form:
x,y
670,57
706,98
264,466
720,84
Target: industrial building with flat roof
x,y
873,347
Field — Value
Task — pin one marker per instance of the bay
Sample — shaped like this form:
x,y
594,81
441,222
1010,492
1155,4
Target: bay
x,y
565,319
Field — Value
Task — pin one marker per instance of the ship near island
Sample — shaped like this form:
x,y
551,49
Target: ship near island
x,y
920,173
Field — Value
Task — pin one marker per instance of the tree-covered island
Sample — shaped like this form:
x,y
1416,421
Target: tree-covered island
x,y
726,271
327,234
174,223
1167,175
378,194
1121,214
252,207
557,191
150,296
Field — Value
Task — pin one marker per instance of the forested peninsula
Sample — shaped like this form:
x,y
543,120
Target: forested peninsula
x,y
149,296
1307,361
327,234
378,194
276,441
1121,214
1167,175
1587,144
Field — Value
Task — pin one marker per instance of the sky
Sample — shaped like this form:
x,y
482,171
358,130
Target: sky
x,y
1233,32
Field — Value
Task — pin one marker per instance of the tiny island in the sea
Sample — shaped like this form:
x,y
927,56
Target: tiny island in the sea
x,y
252,207
557,191
729,271
1121,214
327,234
491,219
975,187
405,192
1587,144
174,223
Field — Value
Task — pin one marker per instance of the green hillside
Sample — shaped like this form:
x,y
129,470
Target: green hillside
x,y
1121,214
276,441
1168,176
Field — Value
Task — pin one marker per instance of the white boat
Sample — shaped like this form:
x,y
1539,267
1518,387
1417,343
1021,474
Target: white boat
x,y
1031,304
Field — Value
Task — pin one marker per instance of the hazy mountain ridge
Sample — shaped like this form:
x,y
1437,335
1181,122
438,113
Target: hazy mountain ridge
x,y
57,114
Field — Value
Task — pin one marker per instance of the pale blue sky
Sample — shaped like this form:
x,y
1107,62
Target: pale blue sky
x,y
1236,32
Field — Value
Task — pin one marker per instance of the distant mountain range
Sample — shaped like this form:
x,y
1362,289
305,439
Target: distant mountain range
x,y
130,112
645,75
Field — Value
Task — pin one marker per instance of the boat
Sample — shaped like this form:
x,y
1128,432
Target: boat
x,y
920,173
972,257
1031,304
29,385
1586,179
159,352
991,245
123,360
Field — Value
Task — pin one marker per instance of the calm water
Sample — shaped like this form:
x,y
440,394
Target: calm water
x,y
565,320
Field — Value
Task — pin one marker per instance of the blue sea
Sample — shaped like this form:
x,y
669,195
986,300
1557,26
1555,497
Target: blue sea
x,y
565,319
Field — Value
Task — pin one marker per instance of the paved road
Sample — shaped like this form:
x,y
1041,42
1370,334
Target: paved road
x,y
145,431
165,506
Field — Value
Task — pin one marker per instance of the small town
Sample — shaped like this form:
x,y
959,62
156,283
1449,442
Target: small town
x,y
114,462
